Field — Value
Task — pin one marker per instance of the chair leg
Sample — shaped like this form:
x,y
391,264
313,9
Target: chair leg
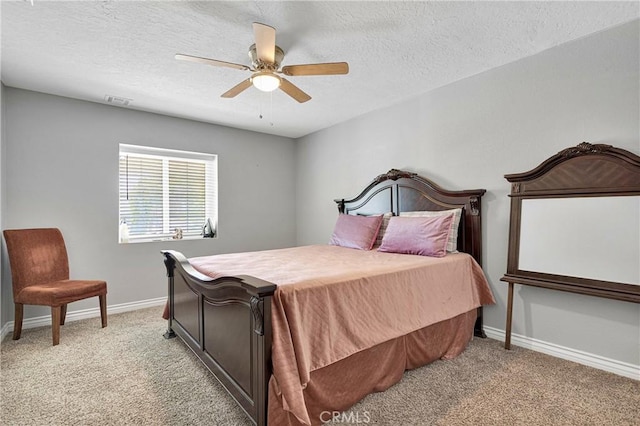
x,y
103,309
55,324
17,323
63,313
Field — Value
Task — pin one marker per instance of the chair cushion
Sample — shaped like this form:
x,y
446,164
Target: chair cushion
x,y
58,293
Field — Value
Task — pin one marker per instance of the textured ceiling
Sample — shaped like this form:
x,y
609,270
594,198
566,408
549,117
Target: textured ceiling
x,y
396,51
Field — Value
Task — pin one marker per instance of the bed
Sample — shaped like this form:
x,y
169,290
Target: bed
x,y
300,343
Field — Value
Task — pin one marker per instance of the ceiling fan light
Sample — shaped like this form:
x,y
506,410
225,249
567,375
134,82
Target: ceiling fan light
x,y
265,81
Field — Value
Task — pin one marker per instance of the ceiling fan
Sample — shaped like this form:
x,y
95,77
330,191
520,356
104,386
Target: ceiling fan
x,y
265,60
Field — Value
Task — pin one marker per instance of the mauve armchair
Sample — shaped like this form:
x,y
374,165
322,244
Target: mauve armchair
x,y
40,276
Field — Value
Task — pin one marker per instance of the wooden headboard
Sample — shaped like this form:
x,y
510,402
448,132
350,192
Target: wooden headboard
x,y
401,191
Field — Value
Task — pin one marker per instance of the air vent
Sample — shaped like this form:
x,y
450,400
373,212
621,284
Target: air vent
x,y
117,100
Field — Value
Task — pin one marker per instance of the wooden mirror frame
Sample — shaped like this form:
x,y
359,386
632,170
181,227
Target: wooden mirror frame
x,y
585,170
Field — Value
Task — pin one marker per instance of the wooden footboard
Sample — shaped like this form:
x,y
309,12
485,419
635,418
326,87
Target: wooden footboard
x,y
226,322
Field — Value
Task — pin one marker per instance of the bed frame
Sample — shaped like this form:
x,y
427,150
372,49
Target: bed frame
x,y
226,321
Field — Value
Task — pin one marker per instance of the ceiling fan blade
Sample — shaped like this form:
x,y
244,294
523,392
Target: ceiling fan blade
x,y
265,42
293,91
330,68
208,61
237,89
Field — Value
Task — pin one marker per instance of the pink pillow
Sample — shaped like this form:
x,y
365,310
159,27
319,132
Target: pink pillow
x,y
357,232
452,245
426,236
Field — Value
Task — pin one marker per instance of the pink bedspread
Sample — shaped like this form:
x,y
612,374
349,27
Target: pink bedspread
x,y
346,300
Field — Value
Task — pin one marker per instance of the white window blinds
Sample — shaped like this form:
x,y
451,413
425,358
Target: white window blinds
x,y
165,193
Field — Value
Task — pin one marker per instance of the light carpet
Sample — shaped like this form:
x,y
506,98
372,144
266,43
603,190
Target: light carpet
x,y
128,374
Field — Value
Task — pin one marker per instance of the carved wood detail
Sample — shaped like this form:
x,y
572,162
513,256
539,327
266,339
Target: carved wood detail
x,y
475,206
258,319
584,148
394,174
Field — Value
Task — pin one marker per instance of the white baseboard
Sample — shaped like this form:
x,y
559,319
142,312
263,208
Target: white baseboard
x,y
5,330
596,361
45,320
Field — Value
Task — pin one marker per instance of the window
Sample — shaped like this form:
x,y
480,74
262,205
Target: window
x,y
166,194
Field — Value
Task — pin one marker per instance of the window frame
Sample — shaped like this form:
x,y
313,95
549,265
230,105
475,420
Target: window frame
x,y
211,190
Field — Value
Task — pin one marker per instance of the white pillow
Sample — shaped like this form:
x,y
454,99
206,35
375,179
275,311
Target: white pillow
x,y
452,243
383,227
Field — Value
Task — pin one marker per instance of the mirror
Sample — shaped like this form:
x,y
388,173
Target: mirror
x,y
582,237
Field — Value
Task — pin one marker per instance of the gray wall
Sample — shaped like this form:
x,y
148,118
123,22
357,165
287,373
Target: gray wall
x,y
2,203
61,170
469,135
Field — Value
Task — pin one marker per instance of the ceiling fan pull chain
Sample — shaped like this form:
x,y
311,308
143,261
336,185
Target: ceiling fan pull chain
x,y
271,107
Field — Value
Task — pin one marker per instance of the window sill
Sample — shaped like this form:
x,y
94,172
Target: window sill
x,y
164,240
